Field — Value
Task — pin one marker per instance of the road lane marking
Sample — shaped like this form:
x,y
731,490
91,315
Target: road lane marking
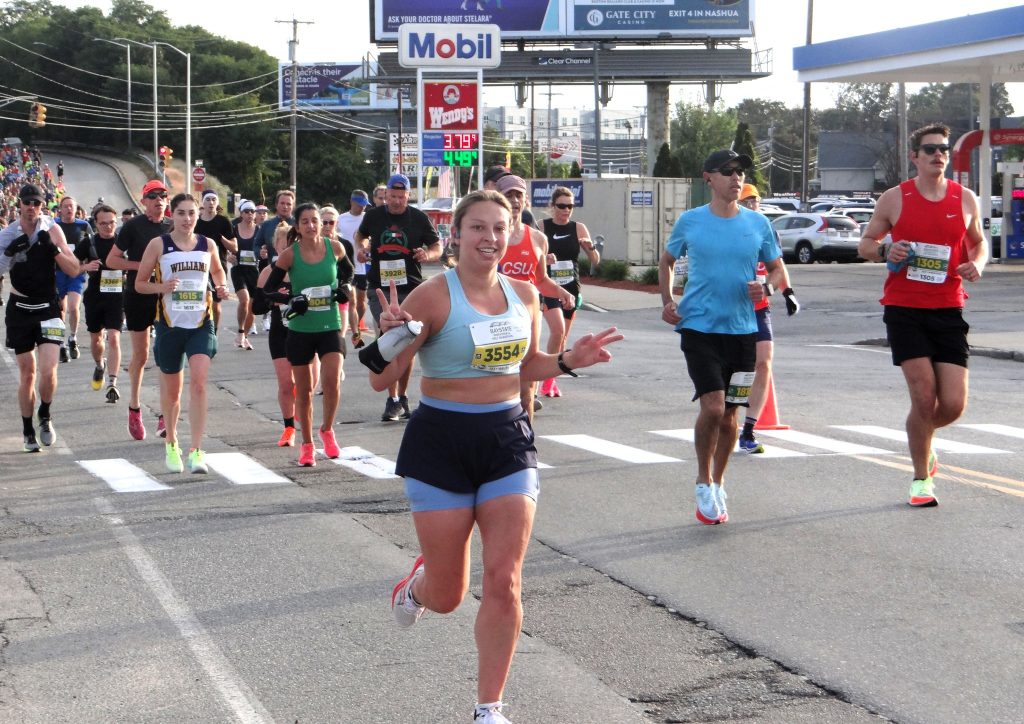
x,y
366,463
825,443
943,475
940,444
1007,430
611,449
122,476
241,469
771,451
238,697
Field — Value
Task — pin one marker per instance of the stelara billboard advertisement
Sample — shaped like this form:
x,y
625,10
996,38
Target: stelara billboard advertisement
x,y
571,20
450,106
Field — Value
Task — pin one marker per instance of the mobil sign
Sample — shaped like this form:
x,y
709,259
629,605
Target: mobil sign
x,y
449,46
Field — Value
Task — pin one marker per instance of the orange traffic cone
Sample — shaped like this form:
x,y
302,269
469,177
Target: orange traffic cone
x,y
769,419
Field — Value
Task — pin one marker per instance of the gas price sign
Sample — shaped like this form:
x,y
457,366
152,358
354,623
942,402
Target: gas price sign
x,y
442,148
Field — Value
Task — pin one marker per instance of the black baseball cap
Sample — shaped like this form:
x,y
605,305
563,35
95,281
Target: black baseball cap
x,y
719,158
31,192
494,173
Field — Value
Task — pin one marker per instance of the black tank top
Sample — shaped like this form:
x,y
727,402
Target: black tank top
x,y
564,243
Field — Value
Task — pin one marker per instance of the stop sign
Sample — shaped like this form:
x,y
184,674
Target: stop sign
x,y
199,174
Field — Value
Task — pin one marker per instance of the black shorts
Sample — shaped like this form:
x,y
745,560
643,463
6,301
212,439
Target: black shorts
x,y
460,451
764,324
24,318
139,311
374,303
104,311
244,277
301,347
277,338
359,282
712,359
938,334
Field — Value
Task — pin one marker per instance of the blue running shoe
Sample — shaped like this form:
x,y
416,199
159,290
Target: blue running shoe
x,y
708,512
749,445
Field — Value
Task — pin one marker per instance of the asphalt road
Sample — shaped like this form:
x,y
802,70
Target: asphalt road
x,y
824,599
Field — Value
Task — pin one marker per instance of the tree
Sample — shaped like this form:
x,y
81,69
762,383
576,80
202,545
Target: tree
x,y
663,164
744,144
575,171
696,131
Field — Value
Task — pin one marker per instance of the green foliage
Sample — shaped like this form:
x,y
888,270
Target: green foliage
x,y
696,131
647,276
663,164
744,143
614,270
575,171
584,264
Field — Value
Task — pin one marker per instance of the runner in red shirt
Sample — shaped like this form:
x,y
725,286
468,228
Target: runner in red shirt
x,y
937,243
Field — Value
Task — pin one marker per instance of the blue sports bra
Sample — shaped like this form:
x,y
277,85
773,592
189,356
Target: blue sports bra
x,y
473,344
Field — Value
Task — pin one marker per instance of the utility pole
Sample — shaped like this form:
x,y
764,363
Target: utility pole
x,y
805,167
293,45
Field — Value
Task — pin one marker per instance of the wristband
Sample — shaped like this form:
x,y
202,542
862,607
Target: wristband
x,y
787,292
883,251
563,366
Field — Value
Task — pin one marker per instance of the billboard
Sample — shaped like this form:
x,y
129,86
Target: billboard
x,y
335,87
540,192
571,20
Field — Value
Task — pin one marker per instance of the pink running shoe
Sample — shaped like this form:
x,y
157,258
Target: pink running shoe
x,y
555,392
331,448
307,455
546,385
135,427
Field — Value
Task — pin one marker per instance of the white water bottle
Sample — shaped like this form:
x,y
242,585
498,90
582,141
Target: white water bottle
x,y
376,356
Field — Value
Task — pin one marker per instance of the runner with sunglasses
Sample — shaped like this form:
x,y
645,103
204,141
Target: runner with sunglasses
x,y
723,242
139,309
244,271
937,244
32,248
566,238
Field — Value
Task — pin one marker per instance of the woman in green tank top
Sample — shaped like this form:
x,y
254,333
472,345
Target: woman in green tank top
x,y
314,325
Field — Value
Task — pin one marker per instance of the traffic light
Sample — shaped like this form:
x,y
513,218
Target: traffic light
x,y
37,116
166,156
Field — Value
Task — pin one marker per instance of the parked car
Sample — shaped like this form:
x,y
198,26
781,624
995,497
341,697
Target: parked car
x,y
784,204
817,237
857,213
772,212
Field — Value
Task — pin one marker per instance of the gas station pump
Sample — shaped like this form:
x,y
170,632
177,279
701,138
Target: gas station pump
x,y
1013,210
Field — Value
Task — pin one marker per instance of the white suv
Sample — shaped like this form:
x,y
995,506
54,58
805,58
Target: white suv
x,y
817,237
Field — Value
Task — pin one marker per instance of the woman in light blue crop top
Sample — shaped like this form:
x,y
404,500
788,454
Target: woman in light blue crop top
x,y
467,455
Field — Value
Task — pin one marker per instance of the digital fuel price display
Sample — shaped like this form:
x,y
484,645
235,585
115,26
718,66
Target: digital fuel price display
x,y
451,149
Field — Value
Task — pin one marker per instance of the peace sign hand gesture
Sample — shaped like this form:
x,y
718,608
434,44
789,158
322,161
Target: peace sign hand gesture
x,y
391,314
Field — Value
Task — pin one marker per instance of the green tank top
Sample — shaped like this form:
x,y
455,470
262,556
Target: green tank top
x,y
318,282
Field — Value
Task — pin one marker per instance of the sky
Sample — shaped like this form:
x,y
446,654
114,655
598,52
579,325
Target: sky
x,y
778,24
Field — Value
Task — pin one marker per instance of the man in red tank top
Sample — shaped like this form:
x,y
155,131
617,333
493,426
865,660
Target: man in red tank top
x,y
937,243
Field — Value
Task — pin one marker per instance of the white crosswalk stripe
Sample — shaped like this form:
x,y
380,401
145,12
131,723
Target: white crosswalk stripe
x,y
940,444
241,469
366,463
996,429
611,449
122,476
824,443
770,451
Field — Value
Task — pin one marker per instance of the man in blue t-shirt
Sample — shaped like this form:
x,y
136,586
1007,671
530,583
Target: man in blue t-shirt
x,y
722,242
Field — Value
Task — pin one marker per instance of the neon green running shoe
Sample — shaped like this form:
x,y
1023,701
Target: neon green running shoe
x,y
172,458
922,494
197,462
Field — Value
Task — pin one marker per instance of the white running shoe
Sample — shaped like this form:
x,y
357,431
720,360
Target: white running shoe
x,y
406,610
489,714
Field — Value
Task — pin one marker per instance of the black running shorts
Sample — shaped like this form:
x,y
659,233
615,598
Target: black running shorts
x,y
938,334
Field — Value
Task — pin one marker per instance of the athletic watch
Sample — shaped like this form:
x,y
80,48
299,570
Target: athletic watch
x,y
563,366
768,289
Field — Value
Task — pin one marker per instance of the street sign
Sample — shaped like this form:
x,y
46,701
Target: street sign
x,y
199,174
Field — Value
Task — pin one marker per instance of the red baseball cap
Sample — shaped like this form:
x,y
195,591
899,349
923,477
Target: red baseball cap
x,y
153,185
